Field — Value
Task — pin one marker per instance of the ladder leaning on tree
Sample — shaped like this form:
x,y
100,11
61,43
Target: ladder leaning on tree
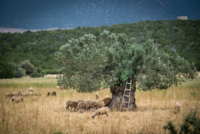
x,y
127,89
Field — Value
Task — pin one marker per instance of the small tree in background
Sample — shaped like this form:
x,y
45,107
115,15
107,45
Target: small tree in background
x,y
19,72
26,65
87,64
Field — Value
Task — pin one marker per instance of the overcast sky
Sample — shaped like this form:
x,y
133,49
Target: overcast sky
x,y
43,14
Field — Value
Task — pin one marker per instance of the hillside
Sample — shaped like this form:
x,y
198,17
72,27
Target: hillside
x,y
39,47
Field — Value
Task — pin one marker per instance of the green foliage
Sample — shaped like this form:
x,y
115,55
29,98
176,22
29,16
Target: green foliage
x,y
39,47
191,124
19,72
34,75
26,65
5,70
86,63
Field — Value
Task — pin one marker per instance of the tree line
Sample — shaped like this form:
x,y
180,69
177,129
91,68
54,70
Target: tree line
x,y
180,36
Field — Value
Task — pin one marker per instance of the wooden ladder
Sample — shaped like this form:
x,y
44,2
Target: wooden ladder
x,y
127,89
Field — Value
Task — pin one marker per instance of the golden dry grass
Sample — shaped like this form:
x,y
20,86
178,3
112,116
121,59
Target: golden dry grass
x,y
48,114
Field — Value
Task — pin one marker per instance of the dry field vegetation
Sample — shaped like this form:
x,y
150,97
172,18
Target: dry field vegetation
x,y
49,115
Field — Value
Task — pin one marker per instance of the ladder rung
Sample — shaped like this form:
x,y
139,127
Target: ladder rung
x,y
128,89
128,83
125,102
127,95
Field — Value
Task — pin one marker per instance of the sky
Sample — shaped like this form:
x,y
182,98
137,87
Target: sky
x,y
46,14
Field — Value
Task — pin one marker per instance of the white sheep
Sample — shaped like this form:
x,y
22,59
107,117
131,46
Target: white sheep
x,y
101,111
17,99
31,89
34,98
177,108
97,96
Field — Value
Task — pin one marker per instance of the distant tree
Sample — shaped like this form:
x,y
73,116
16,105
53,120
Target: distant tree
x,y
26,65
19,72
88,64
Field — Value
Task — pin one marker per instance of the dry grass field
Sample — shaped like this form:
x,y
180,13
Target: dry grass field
x,y
49,115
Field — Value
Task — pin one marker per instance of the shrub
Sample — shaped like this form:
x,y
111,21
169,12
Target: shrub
x,y
26,65
19,72
191,124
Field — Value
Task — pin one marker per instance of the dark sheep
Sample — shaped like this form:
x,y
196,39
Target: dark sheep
x,y
53,93
48,94
82,105
71,104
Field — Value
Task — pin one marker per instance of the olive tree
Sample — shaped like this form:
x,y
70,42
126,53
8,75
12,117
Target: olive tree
x,y
88,65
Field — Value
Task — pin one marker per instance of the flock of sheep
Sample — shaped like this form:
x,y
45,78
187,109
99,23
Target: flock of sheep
x,y
100,106
19,96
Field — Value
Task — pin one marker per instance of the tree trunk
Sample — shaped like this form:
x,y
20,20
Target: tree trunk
x,y
117,95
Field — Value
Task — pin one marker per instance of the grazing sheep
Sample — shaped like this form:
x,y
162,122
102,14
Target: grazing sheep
x,y
15,94
107,96
107,100
71,104
48,94
9,95
34,98
80,101
101,111
100,104
53,93
92,104
38,94
82,105
97,96
177,108
24,94
81,111
29,94
17,99
58,87
31,89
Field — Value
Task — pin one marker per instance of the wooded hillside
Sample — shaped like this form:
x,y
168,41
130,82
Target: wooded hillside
x,y
182,36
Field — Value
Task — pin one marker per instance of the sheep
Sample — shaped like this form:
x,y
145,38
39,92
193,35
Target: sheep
x,y
101,111
82,105
15,94
100,104
81,110
72,104
107,100
97,96
34,98
80,101
17,99
177,108
92,104
48,94
53,93
31,89
38,94
24,94
9,95
58,87
107,96
29,94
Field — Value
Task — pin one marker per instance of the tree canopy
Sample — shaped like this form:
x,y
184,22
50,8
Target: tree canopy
x,y
88,63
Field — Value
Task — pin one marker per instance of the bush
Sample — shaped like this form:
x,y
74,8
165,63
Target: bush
x,y
34,75
47,71
19,72
26,65
191,124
